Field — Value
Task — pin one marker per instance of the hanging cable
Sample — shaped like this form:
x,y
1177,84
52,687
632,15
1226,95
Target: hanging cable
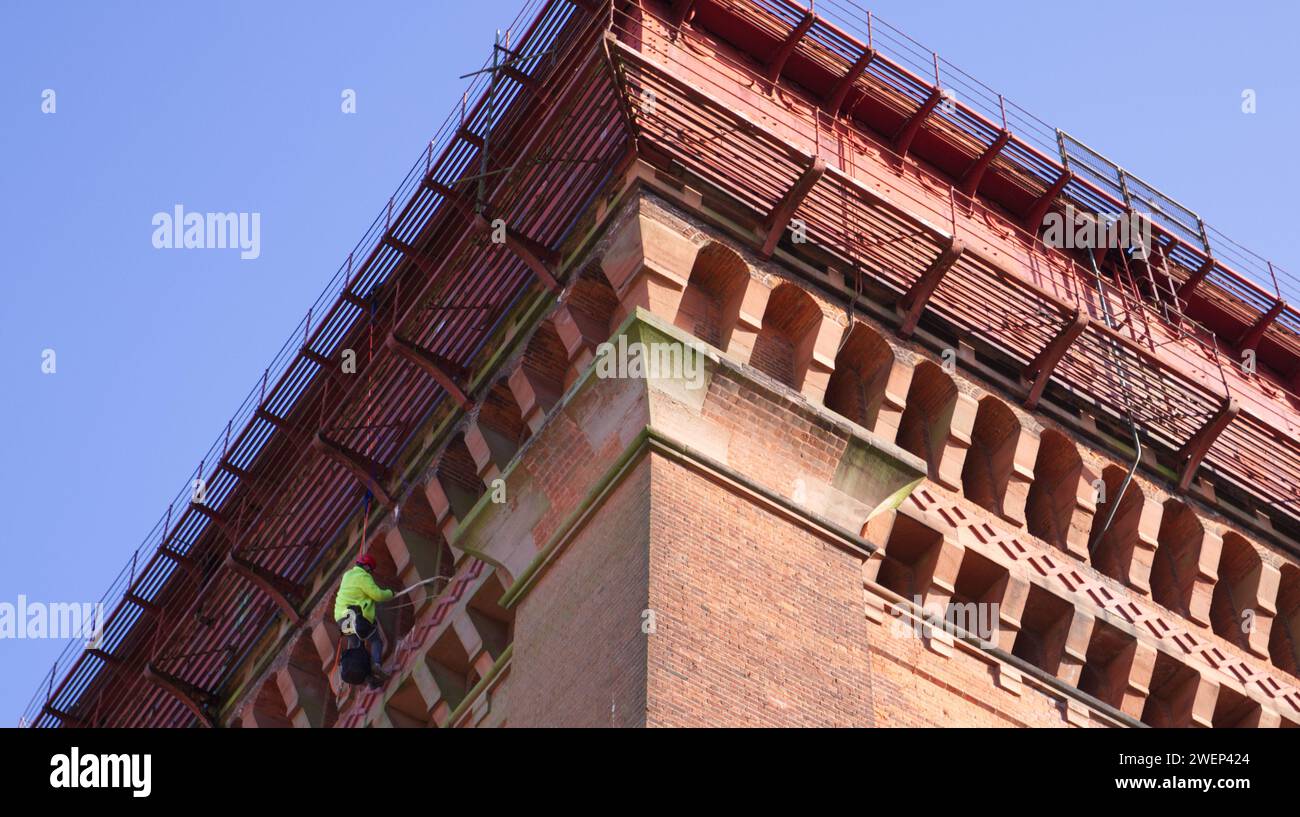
x,y
1128,406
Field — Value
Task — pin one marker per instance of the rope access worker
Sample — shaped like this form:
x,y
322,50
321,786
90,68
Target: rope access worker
x,y
354,610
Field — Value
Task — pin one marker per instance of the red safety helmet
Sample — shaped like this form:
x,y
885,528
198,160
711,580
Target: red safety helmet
x,y
367,561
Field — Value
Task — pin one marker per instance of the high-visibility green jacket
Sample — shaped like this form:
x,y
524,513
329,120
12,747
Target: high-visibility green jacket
x,y
358,588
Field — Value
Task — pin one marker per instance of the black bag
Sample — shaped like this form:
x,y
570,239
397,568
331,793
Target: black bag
x,y
354,663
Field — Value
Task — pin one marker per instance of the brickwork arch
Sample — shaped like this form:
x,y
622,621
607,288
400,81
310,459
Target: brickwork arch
x,y
594,306
538,382
710,304
990,462
1050,508
266,709
1179,579
857,387
1233,602
458,477
418,545
305,686
930,403
783,348
1284,640
499,432
1117,548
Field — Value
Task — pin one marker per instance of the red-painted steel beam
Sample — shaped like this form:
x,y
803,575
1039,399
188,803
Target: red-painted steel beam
x,y
65,719
301,436
833,104
219,519
184,562
411,253
1188,287
789,152
444,372
1034,218
317,358
1252,336
1194,393
523,79
681,12
194,699
147,607
970,180
127,598
1191,454
234,470
332,368
1042,366
913,302
777,63
903,139
364,470
466,135
279,589
536,256
107,658
784,211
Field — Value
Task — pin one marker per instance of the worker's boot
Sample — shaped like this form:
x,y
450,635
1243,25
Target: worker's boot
x,y
377,678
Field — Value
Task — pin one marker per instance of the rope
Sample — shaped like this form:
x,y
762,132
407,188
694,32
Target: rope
x,y
365,523
412,587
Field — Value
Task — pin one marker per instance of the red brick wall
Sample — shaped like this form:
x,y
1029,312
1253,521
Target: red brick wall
x,y
915,686
758,621
761,622
580,655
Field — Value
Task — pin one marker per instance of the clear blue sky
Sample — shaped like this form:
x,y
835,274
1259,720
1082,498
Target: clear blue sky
x,y
235,106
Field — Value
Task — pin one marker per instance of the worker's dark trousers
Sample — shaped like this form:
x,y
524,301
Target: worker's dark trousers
x,y
369,634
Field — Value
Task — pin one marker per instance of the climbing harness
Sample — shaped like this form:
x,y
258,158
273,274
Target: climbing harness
x,y
348,624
